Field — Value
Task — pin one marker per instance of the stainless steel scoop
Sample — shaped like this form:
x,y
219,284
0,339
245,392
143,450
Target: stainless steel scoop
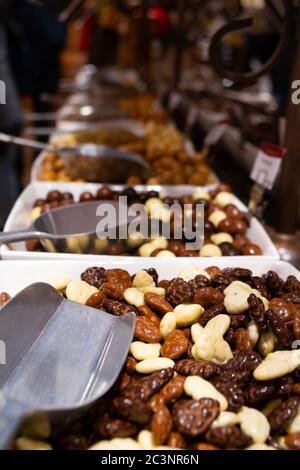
x,y
73,229
95,163
60,357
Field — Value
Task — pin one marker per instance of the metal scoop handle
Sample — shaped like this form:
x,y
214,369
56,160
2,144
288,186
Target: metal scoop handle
x,y
12,413
9,139
23,235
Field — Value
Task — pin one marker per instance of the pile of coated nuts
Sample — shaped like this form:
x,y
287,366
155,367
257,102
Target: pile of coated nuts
x,y
213,365
225,226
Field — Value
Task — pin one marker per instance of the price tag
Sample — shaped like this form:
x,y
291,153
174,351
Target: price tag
x,y
216,133
174,101
267,165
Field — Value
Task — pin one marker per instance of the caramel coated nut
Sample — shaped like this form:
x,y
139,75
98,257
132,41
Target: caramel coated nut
x,y
80,291
221,237
142,351
236,297
277,364
143,279
210,344
59,282
216,217
198,388
189,273
187,314
254,424
266,343
134,296
157,303
225,418
168,324
148,366
210,250
223,199
26,443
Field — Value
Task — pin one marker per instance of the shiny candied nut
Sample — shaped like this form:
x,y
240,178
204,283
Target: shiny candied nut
x,y
130,365
193,417
178,292
258,392
109,428
205,446
114,307
277,364
282,417
134,296
156,402
266,343
223,199
143,279
189,367
161,425
96,300
226,418
79,291
254,424
250,249
4,298
147,331
119,443
145,311
197,388
94,276
141,351
27,443
210,250
293,441
145,388
176,440
228,437
117,281
207,296
221,237
236,297
216,217
148,366
242,340
189,273
176,345
173,390
210,344
58,282
157,303
132,409
187,314
168,324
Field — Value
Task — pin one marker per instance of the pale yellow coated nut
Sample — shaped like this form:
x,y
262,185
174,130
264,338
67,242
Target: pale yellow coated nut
x,y
142,351
266,343
146,440
143,279
80,291
216,217
253,332
167,324
197,388
260,447
59,282
135,239
26,443
153,364
73,245
165,254
224,198
294,425
226,418
134,296
153,290
189,273
187,314
35,213
210,250
236,297
119,443
100,245
221,237
157,210
277,364
148,248
201,195
210,344
196,331
254,424
271,406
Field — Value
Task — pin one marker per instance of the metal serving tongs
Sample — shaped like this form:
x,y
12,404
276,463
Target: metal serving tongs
x,y
282,25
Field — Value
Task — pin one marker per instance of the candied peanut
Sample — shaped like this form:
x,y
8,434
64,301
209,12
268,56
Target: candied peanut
x,y
168,324
254,424
176,345
187,314
293,441
4,298
207,297
145,311
134,297
173,390
146,330
141,351
157,303
161,425
277,364
154,364
176,440
242,340
197,388
80,291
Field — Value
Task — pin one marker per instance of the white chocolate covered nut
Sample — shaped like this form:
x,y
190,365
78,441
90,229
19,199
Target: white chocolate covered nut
x,y
196,331
134,296
167,324
165,254
277,364
146,440
187,314
59,282
260,447
225,418
142,279
26,443
148,366
189,273
158,210
80,291
35,213
119,443
210,344
201,195
236,297
223,198
100,245
221,237
153,290
198,388
216,217
254,424
148,248
134,239
266,343
142,351
210,250
253,332
294,425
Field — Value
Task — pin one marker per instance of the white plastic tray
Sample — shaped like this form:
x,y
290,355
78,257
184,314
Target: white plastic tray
x,y
17,275
19,218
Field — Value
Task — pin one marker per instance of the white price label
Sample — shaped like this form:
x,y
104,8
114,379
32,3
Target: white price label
x,y
215,134
267,165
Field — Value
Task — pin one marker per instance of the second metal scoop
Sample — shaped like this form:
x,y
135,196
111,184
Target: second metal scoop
x,y
94,163
60,357
73,228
